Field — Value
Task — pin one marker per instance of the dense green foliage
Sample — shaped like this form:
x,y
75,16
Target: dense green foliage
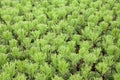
x,y
59,39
